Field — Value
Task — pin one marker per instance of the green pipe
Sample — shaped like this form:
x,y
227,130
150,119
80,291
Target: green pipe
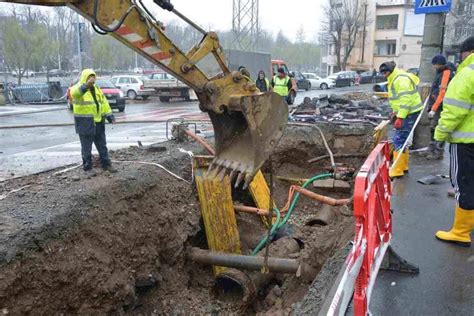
x,y
279,224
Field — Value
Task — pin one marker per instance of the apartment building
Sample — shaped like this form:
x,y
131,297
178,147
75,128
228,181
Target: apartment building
x,y
459,25
393,32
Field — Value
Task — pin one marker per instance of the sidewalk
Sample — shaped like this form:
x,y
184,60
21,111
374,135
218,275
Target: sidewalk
x,y
445,285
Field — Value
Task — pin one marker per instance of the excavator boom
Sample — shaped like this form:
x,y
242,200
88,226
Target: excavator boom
x,y
247,123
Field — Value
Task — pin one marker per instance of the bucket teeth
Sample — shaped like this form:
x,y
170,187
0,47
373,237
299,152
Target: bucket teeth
x,y
232,175
222,174
248,179
240,177
216,171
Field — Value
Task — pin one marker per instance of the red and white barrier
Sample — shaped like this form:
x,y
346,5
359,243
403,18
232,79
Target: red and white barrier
x,y
373,233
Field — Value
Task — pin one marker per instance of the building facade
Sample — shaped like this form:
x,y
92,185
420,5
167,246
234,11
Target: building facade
x,y
459,25
392,32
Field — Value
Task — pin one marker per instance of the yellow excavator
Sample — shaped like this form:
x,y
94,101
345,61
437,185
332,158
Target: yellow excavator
x,y
247,123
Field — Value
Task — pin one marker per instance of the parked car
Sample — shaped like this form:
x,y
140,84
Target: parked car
x,y
344,78
57,73
318,82
114,96
26,73
367,77
138,70
301,81
132,86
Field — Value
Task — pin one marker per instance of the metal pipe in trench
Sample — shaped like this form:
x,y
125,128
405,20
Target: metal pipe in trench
x,y
249,283
276,265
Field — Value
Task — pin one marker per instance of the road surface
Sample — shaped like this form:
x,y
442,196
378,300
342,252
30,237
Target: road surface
x,y
25,151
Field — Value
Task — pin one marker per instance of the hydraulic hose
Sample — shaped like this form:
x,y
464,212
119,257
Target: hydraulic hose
x,y
280,223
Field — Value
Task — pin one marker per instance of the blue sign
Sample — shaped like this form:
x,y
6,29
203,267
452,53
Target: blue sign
x,y
432,6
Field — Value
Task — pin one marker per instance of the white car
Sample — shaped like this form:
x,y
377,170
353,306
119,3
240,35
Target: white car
x,y
26,73
316,81
132,87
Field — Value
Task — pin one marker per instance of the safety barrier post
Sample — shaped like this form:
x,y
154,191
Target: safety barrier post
x,y
373,218
371,249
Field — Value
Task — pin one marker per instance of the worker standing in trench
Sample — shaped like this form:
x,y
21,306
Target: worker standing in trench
x,y
406,104
91,109
456,126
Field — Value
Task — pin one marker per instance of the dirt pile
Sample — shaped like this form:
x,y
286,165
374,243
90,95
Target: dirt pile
x,y
115,243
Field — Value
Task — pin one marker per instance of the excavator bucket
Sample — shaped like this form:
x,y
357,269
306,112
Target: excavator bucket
x,y
246,136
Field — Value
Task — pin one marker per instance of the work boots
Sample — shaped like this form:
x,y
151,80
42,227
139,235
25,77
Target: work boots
x,y
405,160
463,224
398,169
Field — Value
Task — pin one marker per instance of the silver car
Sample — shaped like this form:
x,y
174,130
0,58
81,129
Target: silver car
x,y
132,86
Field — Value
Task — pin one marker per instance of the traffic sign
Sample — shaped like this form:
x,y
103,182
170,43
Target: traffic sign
x,y
432,6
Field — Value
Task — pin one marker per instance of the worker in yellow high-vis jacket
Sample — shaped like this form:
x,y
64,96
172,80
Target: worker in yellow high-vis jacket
x,y
406,105
91,109
456,126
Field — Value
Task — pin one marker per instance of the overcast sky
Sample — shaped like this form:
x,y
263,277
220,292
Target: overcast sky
x,y
274,15
287,15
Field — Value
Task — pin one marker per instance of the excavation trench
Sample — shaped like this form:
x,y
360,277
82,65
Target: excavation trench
x,y
119,243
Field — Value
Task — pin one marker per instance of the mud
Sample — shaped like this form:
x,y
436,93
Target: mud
x,y
115,243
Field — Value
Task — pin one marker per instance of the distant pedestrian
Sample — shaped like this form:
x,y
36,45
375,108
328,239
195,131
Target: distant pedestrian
x,y
444,74
262,82
456,126
406,104
281,83
357,79
91,109
374,76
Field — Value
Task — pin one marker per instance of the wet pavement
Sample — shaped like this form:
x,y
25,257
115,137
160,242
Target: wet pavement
x,y
445,285
24,151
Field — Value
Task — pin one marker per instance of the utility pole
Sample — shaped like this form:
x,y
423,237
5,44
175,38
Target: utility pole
x,y
364,33
59,48
78,39
136,60
433,34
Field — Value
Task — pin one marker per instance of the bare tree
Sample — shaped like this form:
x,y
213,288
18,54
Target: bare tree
x,y
343,21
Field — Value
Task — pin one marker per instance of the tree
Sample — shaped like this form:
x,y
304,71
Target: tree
x,y
300,35
17,45
103,55
342,23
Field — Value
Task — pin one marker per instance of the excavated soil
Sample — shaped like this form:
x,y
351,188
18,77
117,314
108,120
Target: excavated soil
x,y
116,243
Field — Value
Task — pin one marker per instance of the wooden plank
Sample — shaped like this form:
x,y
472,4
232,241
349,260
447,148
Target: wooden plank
x,y
215,198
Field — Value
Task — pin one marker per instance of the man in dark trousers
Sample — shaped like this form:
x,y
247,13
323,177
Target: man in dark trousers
x,y
444,74
91,109
456,126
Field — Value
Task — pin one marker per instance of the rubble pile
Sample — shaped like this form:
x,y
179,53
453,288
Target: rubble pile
x,y
342,109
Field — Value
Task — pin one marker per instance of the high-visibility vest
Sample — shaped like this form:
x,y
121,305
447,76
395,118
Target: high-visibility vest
x,y
456,124
83,103
281,85
403,93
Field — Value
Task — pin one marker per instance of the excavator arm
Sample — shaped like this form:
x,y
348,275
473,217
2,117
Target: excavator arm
x,y
247,123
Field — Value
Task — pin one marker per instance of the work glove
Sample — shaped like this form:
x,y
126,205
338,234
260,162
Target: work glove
x,y
90,82
398,123
110,119
393,117
432,114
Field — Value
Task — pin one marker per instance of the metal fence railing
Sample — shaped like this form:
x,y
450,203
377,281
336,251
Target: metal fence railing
x,y
51,92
